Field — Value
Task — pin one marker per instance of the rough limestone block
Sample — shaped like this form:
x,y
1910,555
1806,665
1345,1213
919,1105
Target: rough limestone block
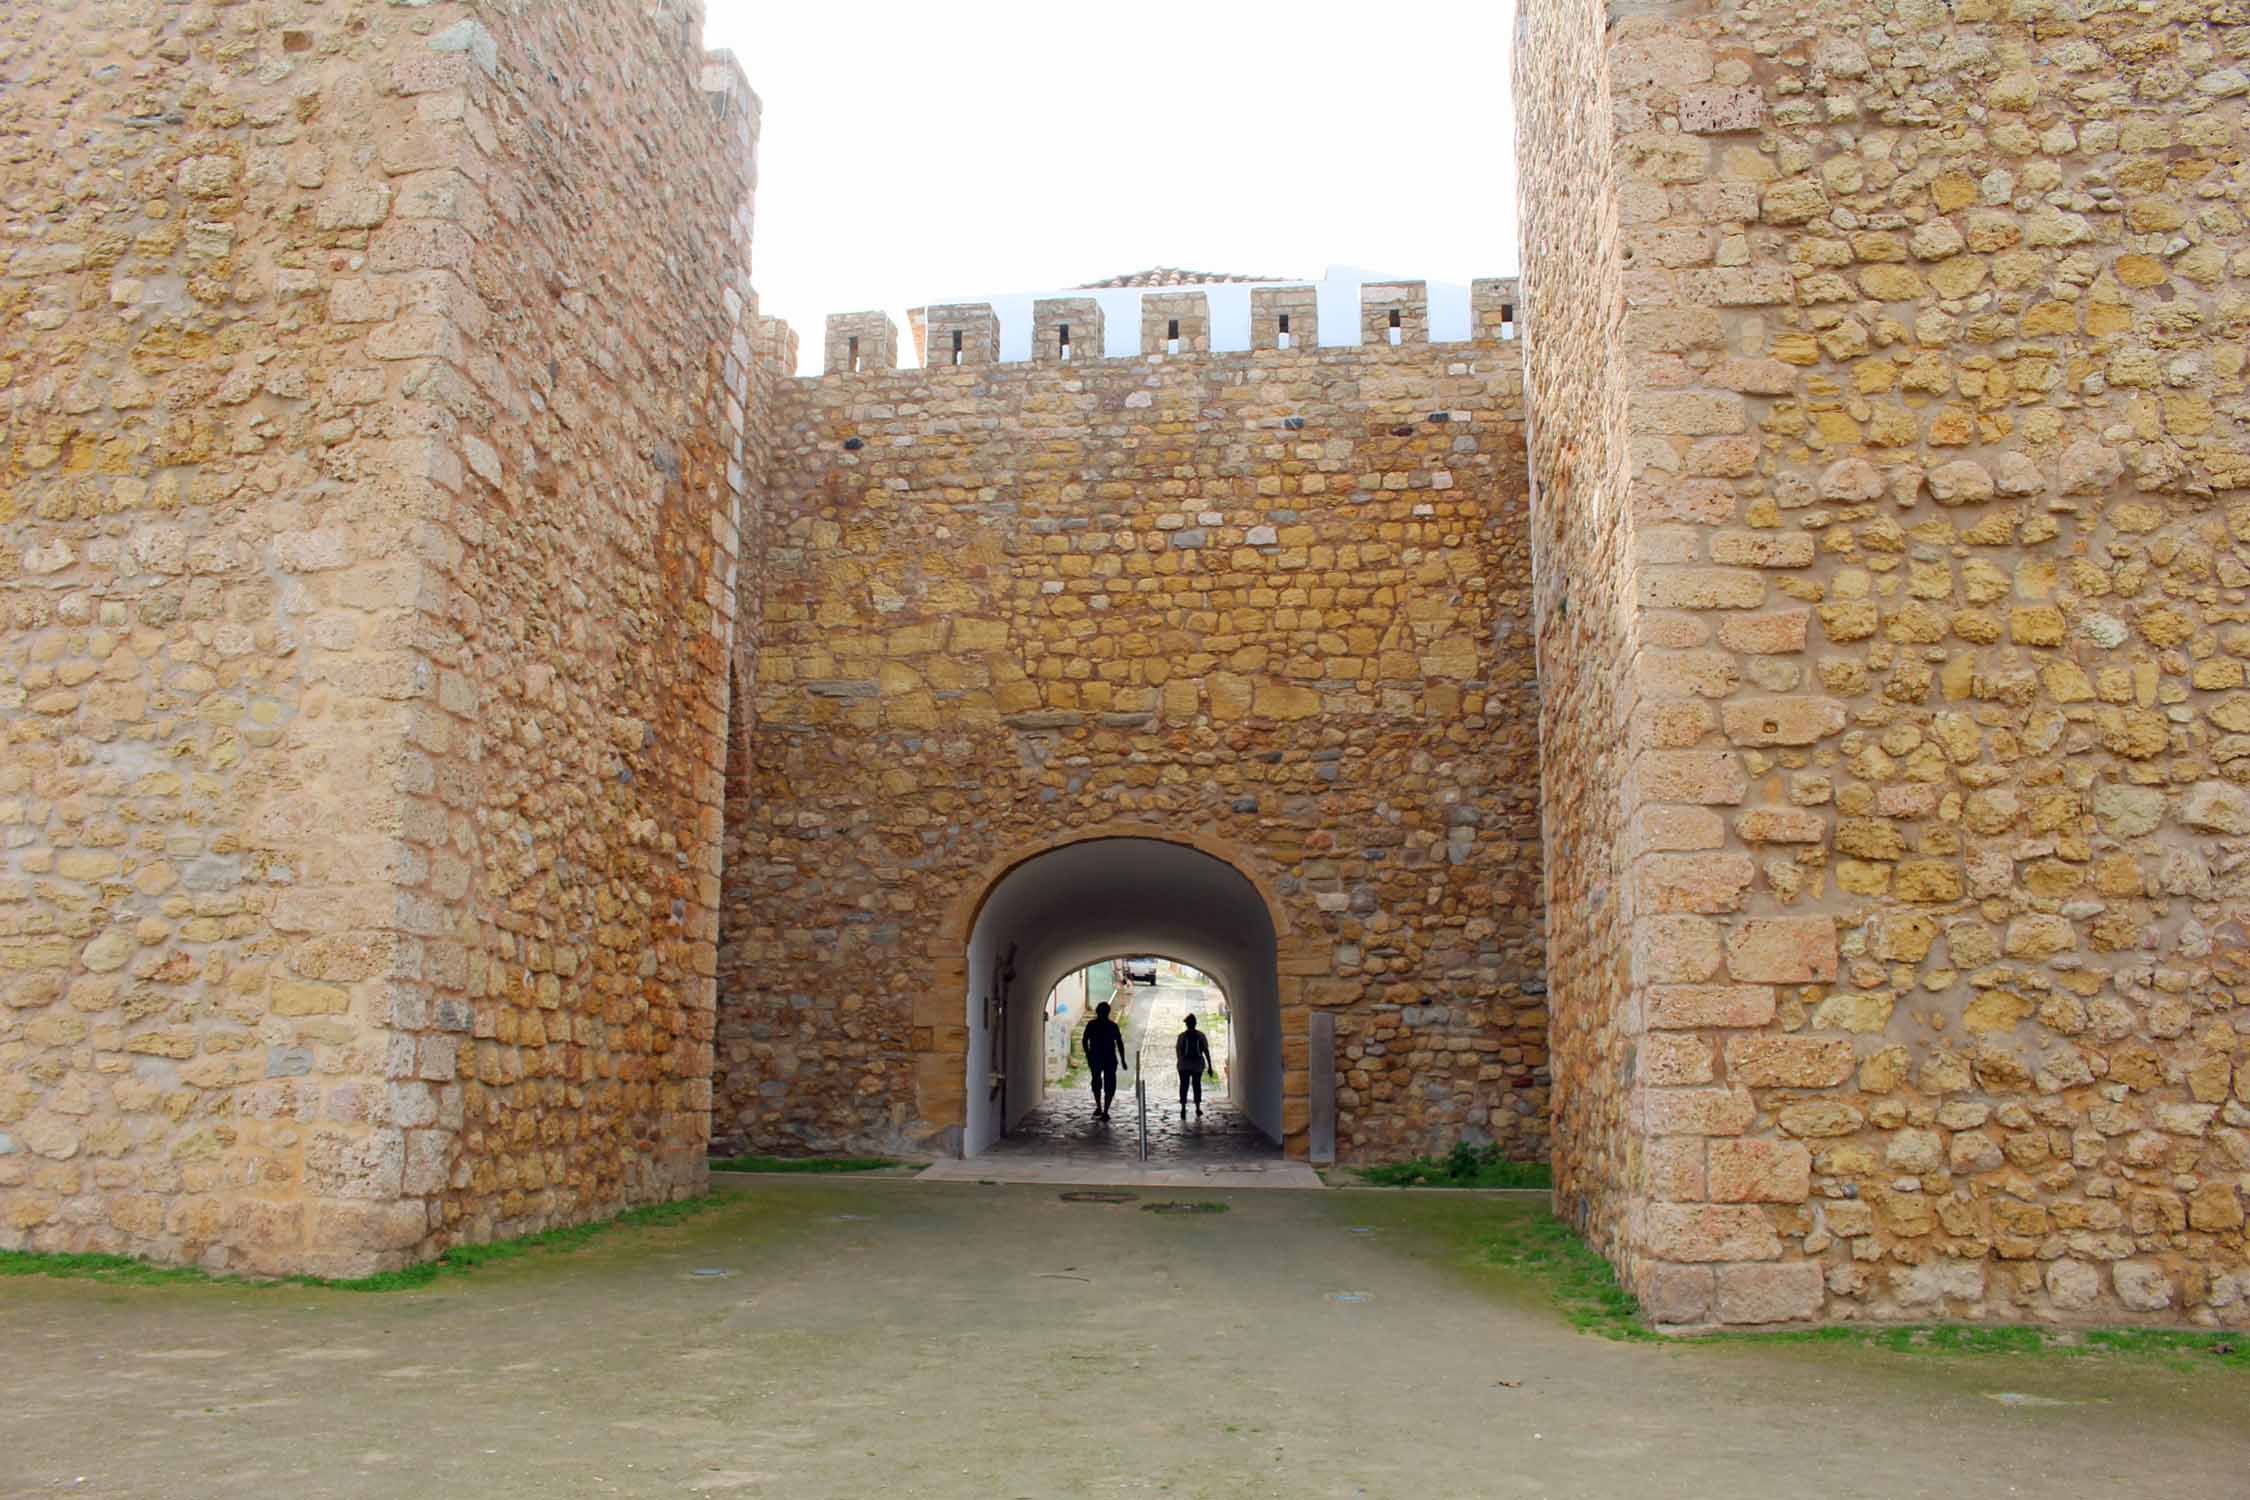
x,y
1788,1061
1710,1232
1694,882
1678,1296
1673,1058
1698,1111
1675,949
1782,950
1756,1171
1752,1294
1700,1005
1696,776
1782,721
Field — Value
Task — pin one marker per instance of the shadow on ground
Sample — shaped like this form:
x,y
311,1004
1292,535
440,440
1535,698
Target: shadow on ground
x,y
866,1337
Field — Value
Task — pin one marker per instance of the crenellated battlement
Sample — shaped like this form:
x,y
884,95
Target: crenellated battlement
x,y
1285,317
1066,329
1173,322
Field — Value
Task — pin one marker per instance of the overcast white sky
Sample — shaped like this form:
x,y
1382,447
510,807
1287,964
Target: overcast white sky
x,y
917,152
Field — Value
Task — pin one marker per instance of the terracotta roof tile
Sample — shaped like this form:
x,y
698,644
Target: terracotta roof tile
x,y
1172,276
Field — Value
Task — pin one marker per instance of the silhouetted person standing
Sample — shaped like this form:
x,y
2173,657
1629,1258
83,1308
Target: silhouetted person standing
x,y
1105,1049
1192,1054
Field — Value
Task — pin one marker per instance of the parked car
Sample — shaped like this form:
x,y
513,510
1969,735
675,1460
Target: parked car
x,y
1140,971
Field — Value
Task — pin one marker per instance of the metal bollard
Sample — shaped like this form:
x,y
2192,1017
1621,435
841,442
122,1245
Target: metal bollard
x,y
1140,1096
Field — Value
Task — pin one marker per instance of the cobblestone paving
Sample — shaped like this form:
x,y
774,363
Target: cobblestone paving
x,y
1064,1127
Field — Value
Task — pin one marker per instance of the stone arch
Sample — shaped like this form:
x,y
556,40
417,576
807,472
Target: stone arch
x,y
942,1033
970,901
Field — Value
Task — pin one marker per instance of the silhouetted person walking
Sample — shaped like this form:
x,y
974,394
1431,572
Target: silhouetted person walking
x,y
1192,1053
1105,1049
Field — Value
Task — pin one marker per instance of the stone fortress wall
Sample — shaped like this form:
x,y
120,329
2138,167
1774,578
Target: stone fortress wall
x,y
1584,606
1278,599
373,416
475,729
1935,564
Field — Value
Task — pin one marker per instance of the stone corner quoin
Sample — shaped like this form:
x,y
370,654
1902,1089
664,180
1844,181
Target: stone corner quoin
x,y
480,731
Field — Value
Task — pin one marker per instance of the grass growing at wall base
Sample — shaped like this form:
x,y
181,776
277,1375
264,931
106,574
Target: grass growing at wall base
x,y
111,1268
2176,1348
1535,1245
125,1271
1465,1166
801,1163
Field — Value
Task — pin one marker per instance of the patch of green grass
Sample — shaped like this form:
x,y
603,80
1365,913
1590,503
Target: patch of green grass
x,y
800,1163
1465,1166
1584,1289
2176,1348
2171,1344
123,1271
1916,1338
111,1268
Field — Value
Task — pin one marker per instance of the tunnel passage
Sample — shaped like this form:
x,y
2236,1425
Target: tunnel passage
x,y
1059,911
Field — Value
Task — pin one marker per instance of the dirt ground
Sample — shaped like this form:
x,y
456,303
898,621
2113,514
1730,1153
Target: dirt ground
x,y
902,1338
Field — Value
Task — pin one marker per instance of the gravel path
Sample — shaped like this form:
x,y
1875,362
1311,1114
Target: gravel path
x,y
900,1338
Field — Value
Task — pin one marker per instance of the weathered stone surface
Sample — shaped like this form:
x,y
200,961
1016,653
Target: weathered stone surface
x,y
1781,1293
1695,882
2074,1285
1670,1058
1675,949
1996,560
448,652
1699,776
1788,1061
1938,1282
1713,110
1679,1296
1781,721
1914,1150
2142,1285
1706,1232
379,941
1698,1005
1698,1111
1747,1171
1784,950
2217,806
1135,619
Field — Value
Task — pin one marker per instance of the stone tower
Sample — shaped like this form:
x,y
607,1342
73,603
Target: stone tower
x,y
376,469
1885,380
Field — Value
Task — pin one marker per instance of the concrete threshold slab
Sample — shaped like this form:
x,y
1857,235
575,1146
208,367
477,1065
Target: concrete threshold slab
x,y
1270,1174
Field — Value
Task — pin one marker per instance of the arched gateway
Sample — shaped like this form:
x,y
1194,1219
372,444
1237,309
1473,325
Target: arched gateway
x,y
1293,644
1863,707
1095,896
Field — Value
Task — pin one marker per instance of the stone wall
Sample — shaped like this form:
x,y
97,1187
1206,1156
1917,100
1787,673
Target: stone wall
x,y
402,498
371,379
592,563
1934,347
1586,601
1277,600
